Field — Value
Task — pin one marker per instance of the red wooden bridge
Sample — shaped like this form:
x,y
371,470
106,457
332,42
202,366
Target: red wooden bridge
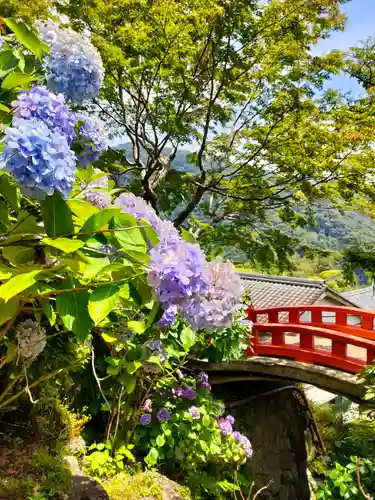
x,y
338,337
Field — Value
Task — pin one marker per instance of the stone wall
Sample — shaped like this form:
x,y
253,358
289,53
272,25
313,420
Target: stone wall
x,y
275,425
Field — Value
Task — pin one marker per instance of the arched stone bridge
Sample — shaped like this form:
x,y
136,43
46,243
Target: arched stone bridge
x,y
326,346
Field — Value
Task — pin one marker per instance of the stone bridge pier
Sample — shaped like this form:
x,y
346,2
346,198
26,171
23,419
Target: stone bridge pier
x,y
275,420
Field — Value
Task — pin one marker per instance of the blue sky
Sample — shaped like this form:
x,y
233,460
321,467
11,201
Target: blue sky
x,y
360,24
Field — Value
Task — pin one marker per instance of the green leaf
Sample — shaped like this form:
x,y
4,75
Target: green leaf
x,y
152,457
188,236
131,236
137,326
8,310
17,80
108,338
65,244
8,62
206,421
18,256
4,108
48,311
57,216
72,308
4,213
27,37
133,366
98,222
128,381
82,209
17,284
102,301
94,266
8,190
160,440
188,337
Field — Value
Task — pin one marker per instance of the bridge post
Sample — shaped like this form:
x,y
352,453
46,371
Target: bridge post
x,y
275,423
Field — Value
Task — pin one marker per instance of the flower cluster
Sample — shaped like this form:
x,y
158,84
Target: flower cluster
x,y
97,191
203,381
185,392
39,158
226,427
141,210
162,415
43,105
245,443
169,317
217,308
73,66
92,139
194,412
177,272
31,339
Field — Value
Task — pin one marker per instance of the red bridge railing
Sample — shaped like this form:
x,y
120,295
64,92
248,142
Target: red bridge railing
x,y
339,337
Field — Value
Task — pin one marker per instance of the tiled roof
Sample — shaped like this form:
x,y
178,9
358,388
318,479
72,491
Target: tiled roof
x,y
277,291
364,297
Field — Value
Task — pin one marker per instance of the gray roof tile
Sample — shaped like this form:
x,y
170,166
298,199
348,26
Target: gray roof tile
x,y
276,291
364,297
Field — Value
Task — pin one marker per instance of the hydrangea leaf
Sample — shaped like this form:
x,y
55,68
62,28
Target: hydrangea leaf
x,y
102,301
65,244
9,190
8,310
27,37
48,311
98,222
17,80
57,216
18,284
72,308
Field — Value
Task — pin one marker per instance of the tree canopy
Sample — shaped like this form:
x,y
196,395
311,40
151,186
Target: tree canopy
x,y
239,83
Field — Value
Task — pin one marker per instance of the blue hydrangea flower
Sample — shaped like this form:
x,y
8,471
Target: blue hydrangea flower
x,y
39,159
93,139
222,300
140,209
163,415
43,105
1,43
73,66
96,194
145,419
177,272
169,317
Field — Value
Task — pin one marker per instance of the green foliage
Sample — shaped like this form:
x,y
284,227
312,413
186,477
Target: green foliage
x,y
182,445
101,462
241,83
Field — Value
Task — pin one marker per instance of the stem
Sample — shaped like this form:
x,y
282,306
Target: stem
x,y
117,418
10,386
358,475
41,379
97,378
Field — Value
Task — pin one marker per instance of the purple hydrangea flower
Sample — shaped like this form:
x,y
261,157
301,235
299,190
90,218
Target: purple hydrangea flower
x,y
43,105
177,272
206,385
145,419
244,442
95,192
1,43
39,159
225,426
169,317
194,412
93,138
230,419
222,300
140,209
73,66
189,393
163,415
203,377
179,391
147,406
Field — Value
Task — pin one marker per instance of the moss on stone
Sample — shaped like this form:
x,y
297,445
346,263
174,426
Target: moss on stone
x,y
145,485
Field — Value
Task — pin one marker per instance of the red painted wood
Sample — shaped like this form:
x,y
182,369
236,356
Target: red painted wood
x,y
340,333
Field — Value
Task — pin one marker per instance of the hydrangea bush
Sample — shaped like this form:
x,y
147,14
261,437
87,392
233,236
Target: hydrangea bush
x,y
102,273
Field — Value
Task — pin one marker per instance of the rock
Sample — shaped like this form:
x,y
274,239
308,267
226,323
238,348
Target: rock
x,y
73,465
145,486
86,488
